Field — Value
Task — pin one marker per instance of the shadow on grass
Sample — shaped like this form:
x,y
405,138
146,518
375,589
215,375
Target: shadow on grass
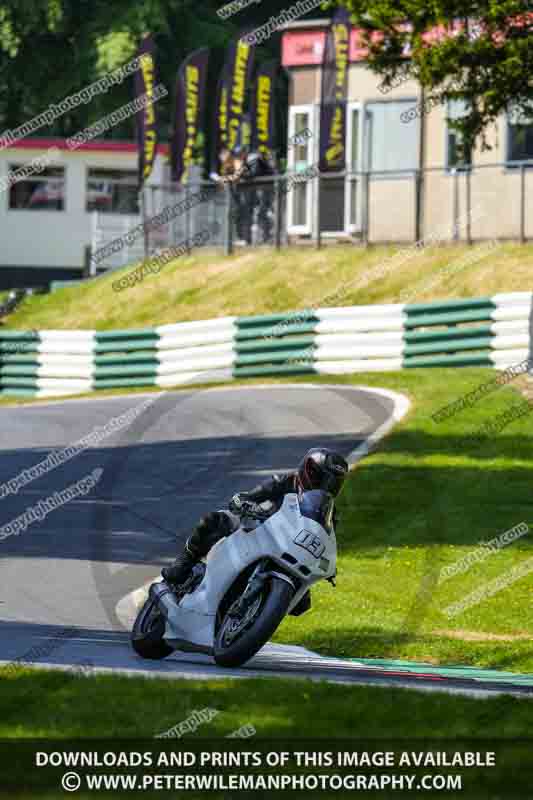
x,y
426,502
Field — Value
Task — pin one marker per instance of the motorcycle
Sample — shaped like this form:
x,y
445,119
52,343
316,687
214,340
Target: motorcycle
x,y
236,598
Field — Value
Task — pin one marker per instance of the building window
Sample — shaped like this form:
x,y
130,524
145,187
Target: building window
x,y
300,157
112,191
519,136
458,155
391,145
302,148
42,192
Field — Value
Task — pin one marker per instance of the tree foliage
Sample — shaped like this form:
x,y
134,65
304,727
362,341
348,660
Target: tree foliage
x,y
480,51
52,48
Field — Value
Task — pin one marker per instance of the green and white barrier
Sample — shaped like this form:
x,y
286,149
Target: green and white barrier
x,y
493,332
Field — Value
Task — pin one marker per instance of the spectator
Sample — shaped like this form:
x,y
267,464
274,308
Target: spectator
x,y
261,165
226,169
225,174
242,199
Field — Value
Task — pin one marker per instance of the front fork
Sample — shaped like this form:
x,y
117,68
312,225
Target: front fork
x,y
253,589
255,586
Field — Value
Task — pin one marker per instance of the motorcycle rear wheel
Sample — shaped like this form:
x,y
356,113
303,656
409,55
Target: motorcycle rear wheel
x,y
237,640
148,631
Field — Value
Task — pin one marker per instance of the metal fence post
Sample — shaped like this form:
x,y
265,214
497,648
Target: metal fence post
x,y
228,227
277,212
142,206
187,215
173,194
522,204
455,233
318,234
89,266
418,201
365,221
468,208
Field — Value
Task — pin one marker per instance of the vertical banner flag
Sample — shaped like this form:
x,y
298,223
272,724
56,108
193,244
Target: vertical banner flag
x,y
240,66
146,119
220,128
334,91
189,135
245,138
263,109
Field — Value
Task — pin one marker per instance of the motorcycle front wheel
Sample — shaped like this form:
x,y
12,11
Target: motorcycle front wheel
x,y
148,631
239,638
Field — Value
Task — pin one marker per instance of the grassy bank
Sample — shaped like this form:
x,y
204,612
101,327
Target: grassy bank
x,y
205,285
286,715
53,704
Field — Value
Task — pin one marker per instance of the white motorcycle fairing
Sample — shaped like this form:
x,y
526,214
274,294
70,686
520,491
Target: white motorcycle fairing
x,y
301,547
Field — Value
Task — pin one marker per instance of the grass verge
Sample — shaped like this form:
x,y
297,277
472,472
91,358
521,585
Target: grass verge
x,y
126,713
40,703
206,285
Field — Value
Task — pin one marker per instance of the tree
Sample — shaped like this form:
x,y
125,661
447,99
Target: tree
x,y
480,52
50,49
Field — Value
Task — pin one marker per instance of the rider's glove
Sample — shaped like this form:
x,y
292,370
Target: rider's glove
x,y
235,504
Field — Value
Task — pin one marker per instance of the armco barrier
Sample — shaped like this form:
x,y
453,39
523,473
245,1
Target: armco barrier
x,y
492,331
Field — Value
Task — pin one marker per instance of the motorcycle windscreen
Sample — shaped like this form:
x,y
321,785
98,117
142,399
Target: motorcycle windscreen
x,y
318,505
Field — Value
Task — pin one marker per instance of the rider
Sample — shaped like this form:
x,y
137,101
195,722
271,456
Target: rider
x,y
320,468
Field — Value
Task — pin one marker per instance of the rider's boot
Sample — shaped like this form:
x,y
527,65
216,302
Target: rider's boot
x,y
180,570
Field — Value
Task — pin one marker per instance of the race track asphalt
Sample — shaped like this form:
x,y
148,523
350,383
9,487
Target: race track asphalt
x,y
185,454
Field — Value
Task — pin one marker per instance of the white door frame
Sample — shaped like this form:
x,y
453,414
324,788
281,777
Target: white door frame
x,y
308,109
348,226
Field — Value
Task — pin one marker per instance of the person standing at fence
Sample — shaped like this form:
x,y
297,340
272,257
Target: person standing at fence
x,y
261,165
225,174
243,196
226,169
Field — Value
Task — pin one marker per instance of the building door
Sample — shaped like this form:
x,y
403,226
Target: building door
x,y
332,200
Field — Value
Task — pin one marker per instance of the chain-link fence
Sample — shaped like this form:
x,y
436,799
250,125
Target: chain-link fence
x,y
247,213
490,201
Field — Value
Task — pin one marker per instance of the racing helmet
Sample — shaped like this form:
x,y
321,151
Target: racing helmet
x,y
323,469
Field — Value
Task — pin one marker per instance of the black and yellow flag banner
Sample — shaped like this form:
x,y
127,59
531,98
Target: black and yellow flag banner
x,y
146,117
189,136
263,109
239,65
334,92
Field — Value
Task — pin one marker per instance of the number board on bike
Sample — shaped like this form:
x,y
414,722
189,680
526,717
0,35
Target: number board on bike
x,y
310,542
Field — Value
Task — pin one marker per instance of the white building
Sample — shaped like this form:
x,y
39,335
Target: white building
x,y
46,219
